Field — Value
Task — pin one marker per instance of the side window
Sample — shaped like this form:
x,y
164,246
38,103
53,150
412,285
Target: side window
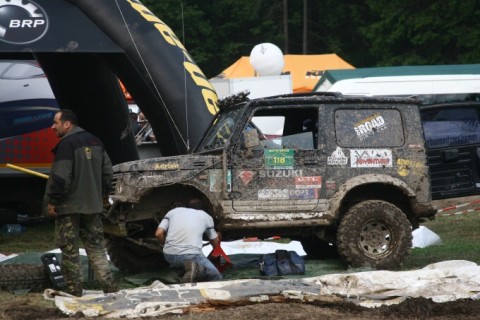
x,y
451,126
357,128
221,130
285,128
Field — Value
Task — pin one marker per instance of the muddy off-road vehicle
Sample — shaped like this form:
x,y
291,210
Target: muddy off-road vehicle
x,y
350,171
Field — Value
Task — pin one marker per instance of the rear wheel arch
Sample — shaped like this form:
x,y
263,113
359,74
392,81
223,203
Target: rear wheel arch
x,y
372,187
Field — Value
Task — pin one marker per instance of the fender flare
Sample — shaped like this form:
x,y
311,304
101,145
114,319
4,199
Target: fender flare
x,y
349,185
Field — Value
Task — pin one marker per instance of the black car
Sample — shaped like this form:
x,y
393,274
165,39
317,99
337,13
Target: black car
x,y
452,135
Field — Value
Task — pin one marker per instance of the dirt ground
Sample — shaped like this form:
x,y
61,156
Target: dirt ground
x,y
33,306
25,308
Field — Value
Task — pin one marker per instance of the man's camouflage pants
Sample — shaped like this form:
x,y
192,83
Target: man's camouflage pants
x,y
69,230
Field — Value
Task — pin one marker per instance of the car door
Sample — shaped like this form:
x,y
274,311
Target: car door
x,y
282,172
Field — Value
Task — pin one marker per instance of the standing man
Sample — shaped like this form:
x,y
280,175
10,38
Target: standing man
x,y
181,234
80,177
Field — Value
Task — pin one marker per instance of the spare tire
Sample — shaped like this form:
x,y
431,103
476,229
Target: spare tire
x,y
23,276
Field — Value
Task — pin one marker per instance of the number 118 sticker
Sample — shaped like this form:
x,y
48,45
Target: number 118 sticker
x,y
279,159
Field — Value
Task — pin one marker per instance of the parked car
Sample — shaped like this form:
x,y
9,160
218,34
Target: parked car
x,y
452,135
23,80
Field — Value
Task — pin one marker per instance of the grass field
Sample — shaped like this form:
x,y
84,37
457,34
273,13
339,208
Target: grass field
x,y
461,241
460,235
37,237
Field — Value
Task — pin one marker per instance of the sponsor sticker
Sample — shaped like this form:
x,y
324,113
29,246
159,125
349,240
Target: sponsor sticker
x,y
287,194
229,180
370,158
167,166
369,126
330,184
279,159
273,194
246,176
215,180
308,182
337,158
280,173
303,194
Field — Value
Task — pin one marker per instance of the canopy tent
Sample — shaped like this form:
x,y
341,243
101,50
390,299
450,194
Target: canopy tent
x,y
305,70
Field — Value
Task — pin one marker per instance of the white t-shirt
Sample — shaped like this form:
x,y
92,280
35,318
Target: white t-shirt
x,y
185,228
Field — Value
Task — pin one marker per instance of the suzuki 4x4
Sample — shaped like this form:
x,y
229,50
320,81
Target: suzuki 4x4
x,y
350,171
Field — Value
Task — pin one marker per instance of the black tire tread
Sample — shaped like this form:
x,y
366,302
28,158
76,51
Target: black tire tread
x,y
130,258
23,276
347,239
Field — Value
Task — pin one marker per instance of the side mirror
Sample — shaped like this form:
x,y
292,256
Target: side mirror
x,y
250,138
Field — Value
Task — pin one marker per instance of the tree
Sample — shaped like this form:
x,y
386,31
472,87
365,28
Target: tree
x,y
365,33
216,33
333,27
412,32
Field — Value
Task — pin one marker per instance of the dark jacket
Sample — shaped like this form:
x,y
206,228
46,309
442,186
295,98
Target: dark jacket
x,y
81,174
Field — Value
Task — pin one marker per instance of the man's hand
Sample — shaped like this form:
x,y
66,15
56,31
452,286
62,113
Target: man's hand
x,y
160,234
215,242
51,210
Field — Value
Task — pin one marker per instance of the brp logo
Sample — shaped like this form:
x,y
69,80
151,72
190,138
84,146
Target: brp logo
x,y
21,21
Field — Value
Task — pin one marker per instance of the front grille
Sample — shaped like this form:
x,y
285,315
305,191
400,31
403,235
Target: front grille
x,y
114,183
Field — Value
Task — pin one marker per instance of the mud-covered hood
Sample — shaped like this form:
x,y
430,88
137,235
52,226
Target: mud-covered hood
x,y
175,163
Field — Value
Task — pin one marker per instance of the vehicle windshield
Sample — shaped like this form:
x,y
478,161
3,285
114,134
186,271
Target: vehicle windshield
x,y
221,130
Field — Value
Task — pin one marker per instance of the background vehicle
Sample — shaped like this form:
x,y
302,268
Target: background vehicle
x,y
27,106
348,170
450,110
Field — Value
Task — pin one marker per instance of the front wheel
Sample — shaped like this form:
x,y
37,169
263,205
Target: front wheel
x,y
374,233
131,258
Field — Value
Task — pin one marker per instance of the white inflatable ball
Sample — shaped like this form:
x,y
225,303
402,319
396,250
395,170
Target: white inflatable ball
x,y
267,59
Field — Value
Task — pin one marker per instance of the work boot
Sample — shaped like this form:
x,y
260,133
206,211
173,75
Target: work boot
x,y
110,288
191,272
75,289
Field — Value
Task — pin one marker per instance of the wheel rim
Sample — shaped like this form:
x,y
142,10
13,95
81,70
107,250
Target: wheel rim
x,y
375,238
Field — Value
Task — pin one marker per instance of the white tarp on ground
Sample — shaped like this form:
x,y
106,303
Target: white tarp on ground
x,y
441,282
256,247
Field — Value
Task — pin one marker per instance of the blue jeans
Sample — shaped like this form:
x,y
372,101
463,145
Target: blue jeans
x,y
209,272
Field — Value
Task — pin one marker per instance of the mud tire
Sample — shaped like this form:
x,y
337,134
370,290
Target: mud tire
x,y
374,233
23,276
131,258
